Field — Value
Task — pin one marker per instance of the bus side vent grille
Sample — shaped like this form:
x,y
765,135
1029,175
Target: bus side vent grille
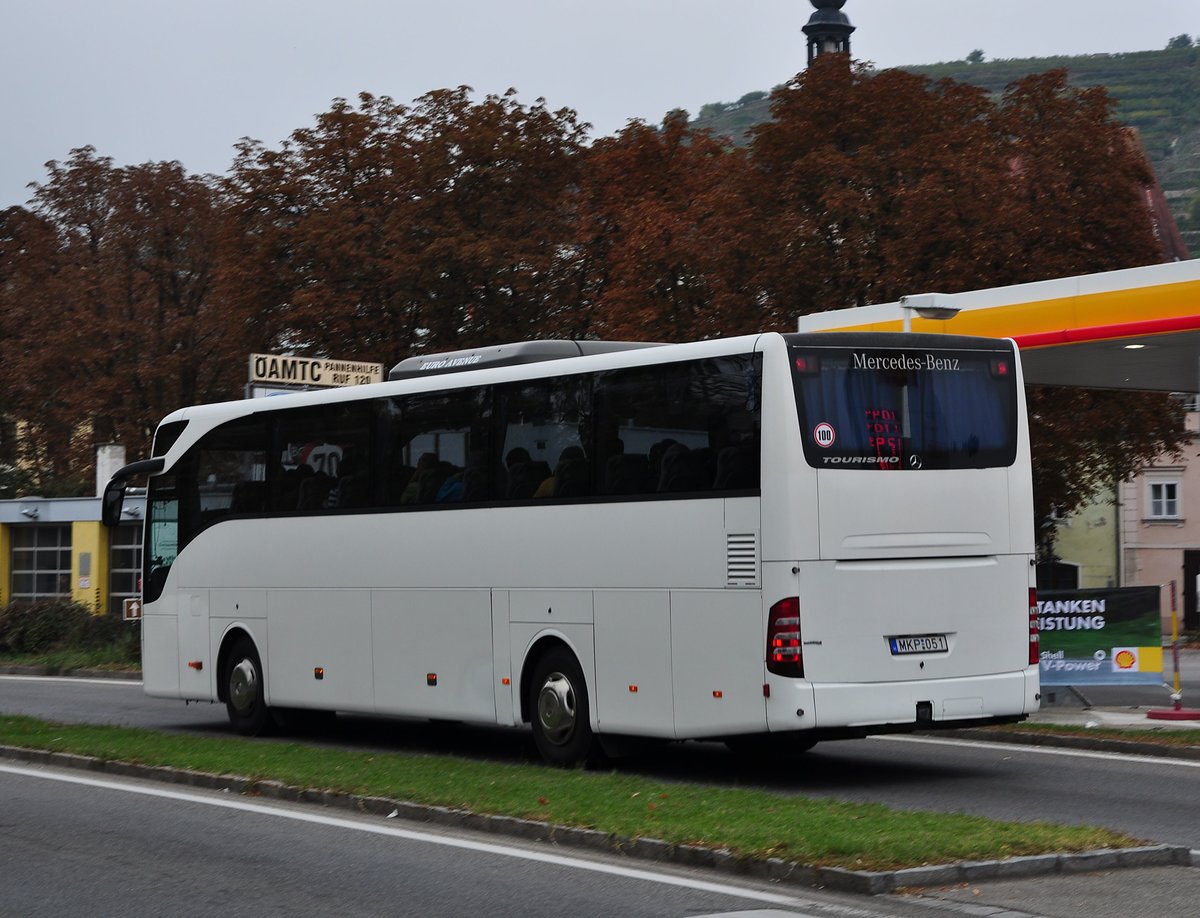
x,y
741,559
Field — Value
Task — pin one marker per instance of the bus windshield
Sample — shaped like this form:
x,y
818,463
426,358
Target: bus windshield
x,y
906,407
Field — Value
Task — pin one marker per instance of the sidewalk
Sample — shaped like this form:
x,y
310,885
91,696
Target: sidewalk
x,y
1102,892
1134,717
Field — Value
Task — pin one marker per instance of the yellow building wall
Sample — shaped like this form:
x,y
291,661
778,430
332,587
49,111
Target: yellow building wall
x,y
89,565
1089,540
5,564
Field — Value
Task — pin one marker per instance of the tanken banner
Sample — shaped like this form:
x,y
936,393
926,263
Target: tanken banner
x,y
1101,637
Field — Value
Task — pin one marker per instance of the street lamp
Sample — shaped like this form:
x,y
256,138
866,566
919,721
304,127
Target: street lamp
x,y
927,306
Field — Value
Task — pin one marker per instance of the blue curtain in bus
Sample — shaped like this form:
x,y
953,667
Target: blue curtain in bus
x,y
960,413
952,417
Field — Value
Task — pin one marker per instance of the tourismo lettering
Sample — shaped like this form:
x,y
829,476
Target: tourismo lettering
x,y
860,460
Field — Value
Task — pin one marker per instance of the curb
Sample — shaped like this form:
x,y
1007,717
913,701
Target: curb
x,y
863,882
1097,744
125,674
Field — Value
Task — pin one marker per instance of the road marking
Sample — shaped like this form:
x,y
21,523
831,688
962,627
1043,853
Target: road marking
x,y
1047,750
74,680
316,818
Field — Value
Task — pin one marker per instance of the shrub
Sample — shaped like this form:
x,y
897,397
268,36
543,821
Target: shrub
x,y
51,625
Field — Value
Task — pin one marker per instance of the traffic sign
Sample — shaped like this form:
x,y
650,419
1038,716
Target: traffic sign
x,y
321,372
132,610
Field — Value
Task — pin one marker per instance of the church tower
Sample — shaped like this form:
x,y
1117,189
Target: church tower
x,y
828,29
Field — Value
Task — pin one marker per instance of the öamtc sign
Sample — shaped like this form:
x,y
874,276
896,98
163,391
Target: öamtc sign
x,y
276,370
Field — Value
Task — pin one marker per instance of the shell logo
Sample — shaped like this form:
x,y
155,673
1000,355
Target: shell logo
x,y
1125,659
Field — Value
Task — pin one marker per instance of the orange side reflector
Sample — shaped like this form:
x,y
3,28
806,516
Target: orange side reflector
x,y
197,665
506,681
318,672
718,694
431,678
633,688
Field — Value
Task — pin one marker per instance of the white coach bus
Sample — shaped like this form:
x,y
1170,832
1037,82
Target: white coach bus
x,y
768,540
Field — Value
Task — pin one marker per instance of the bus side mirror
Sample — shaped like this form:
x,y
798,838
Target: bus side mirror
x,y
113,502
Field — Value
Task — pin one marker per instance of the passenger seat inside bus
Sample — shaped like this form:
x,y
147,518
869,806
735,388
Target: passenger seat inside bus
x,y
627,473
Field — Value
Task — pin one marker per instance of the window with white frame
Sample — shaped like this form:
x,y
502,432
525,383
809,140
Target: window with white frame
x,y
1162,498
41,562
125,564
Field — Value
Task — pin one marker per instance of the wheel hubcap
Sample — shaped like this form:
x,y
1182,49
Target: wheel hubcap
x,y
556,709
243,686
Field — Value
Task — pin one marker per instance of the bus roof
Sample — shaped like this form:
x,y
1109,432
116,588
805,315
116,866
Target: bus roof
x,y
505,355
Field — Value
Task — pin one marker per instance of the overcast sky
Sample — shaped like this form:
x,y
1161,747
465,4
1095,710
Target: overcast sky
x,y
145,80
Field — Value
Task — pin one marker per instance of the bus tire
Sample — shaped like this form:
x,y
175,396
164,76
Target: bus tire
x,y
245,698
559,709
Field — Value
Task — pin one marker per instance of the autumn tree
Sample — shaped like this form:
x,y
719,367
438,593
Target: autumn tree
x,y
664,228
877,185
386,229
114,308
872,186
28,278
1074,197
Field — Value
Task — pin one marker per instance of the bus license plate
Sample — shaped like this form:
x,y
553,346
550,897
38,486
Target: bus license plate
x,y
919,643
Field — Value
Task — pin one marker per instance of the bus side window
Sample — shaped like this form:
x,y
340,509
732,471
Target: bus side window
x,y
322,458
544,433
681,428
231,468
435,449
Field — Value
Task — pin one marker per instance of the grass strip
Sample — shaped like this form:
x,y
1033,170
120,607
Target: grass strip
x,y
1173,737
66,660
747,822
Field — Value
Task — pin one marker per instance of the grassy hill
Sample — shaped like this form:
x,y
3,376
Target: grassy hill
x,y
1157,92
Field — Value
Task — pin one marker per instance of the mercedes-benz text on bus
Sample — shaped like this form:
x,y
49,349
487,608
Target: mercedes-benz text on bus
x,y
769,541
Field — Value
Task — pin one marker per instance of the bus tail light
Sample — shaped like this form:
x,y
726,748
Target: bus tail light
x,y
784,654
1035,641
807,365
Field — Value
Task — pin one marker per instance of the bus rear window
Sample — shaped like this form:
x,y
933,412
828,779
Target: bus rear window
x,y
911,407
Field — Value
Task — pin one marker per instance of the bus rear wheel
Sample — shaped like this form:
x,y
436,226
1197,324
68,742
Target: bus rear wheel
x,y
559,706
245,698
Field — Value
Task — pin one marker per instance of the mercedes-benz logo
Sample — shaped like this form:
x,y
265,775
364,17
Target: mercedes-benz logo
x,y
914,461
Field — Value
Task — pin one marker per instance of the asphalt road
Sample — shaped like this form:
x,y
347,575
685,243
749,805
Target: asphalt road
x,y
73,843
72,849
1137,795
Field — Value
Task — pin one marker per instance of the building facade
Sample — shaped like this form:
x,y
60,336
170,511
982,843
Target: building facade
x,y
1145,532
1160,524
57,548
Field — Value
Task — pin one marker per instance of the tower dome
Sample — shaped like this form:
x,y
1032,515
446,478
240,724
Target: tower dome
x,y
828,29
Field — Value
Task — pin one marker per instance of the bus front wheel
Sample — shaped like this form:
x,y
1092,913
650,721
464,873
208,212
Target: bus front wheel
x,y
560,713
244,691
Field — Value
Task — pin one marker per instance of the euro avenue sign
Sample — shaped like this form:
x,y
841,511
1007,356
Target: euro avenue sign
x,y
312,372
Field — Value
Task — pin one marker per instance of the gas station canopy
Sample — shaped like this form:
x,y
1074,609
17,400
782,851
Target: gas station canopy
x,y
1133,329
